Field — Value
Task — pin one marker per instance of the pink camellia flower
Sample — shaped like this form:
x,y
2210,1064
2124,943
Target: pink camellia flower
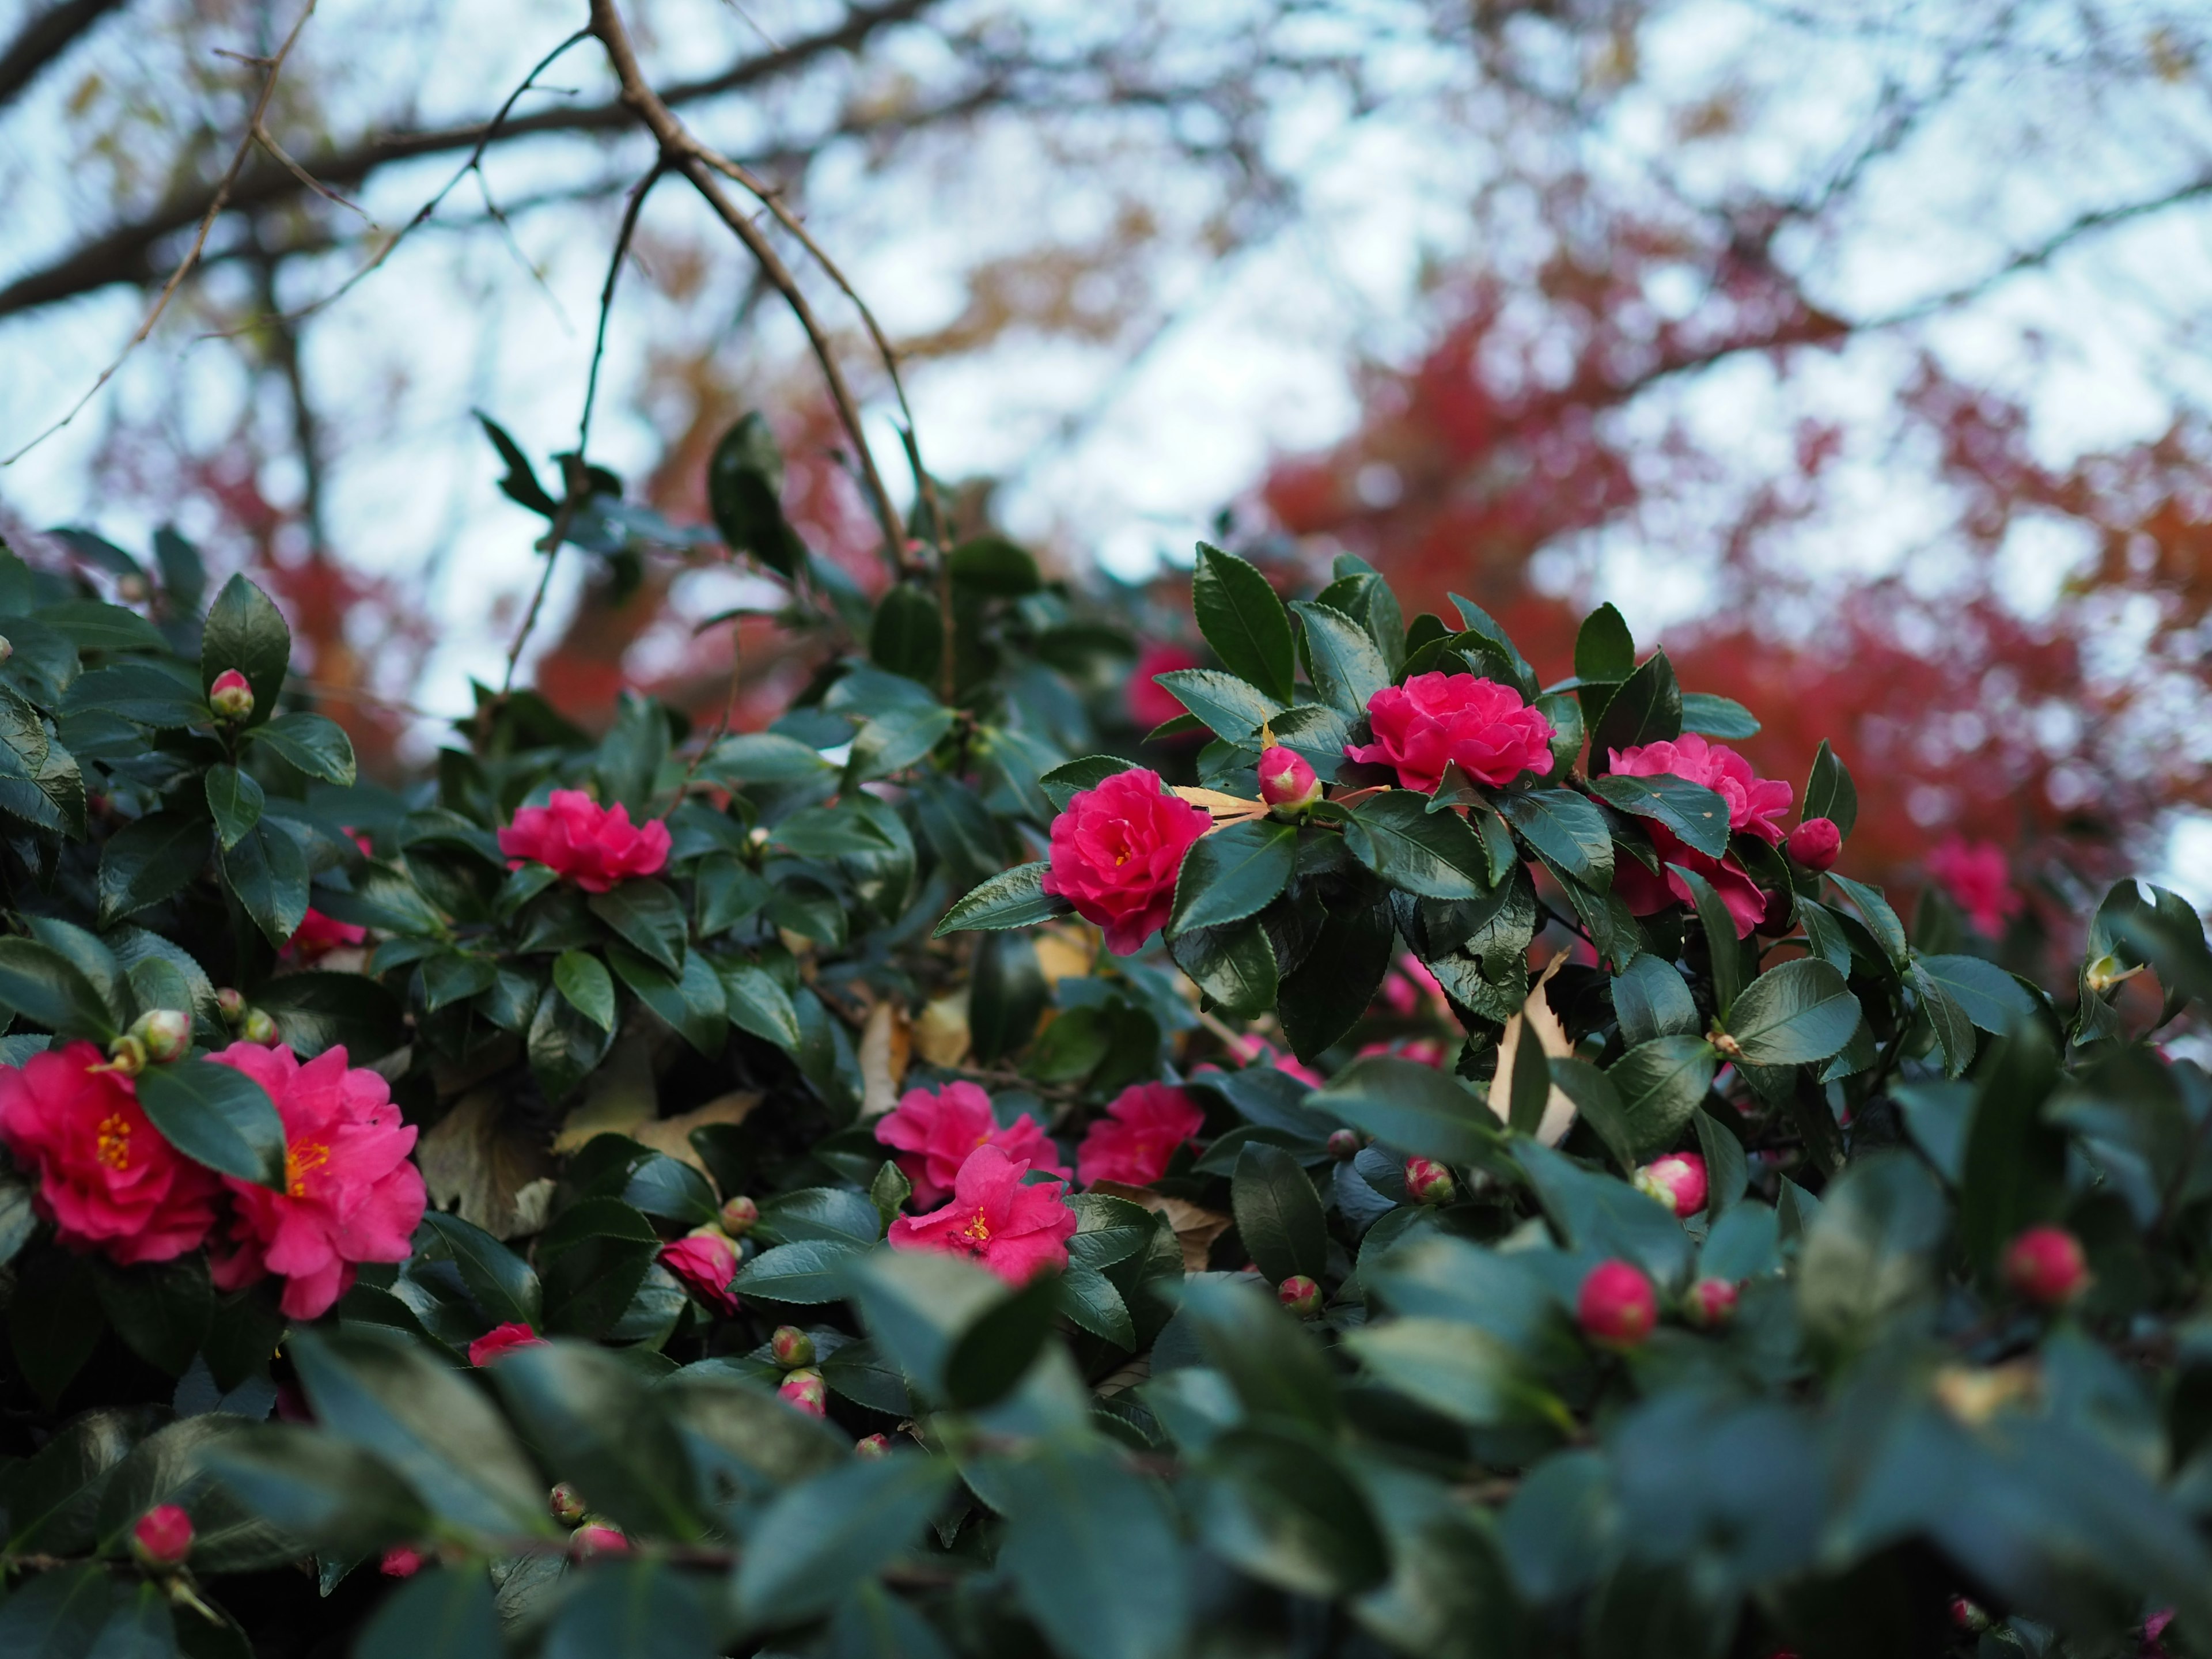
x,y
162,1537
2045,1265
503,1339
1251,1051
1616,1306
318,935
1678,1181
401,1561
1133,1142
1979,877
1711,1304
1755,806
1815,842
350,1193
1016,1231
1152,704
1115,852
582,841
1435,718
935,1129
1412,986
106,1179
706,1262
1288,782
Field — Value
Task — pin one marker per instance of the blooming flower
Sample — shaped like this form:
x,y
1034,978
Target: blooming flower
x,y
1115,852
1017,1231
318,935
106,1178
576,838
162,1537
1755,806
706,1262
1678,1181
1615,1305
502,1339
1132,1143
1979,877
935,1129
1433,718
350,1193
1150,704
1406,992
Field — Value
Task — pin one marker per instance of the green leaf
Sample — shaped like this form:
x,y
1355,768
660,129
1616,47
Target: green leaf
x,y
267,870
1992,998
217,1116
1012,898
1286,1511
162,1310
1244,621
1870,1254
317,746
1325,996
1091,1301
1880,920
1692,811
1794,1015
1648,709
1722,947
1279,1214
907,637
958,1332
727,893
446,1613
146,860
1277,1371
583,982
593,1419
1829,793
245,630
1660,1083
1434,854
38,983
501,1281
827,832
1719,717
895,740
61,1613
1603,1215
1566,829
563,1047
94,625
758,1004
1528,1091
1650,1000
328,1495
821,1539
1094,1555
836,1213
1006,995
1470,1375
54,1323
1347,668
994,566
1232,873
646,914
806,1274
1605,651
691,1003
316,1011
2013,1169
520,483
1232,709
1952,1027
235,800
1234,965
1413,1108
1727,1169
744,490
762,757
138,692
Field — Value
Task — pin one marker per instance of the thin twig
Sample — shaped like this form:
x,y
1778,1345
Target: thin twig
x,y
636,205
246,147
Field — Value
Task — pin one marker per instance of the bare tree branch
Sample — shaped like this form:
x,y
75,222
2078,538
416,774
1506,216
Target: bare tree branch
x,y
45,38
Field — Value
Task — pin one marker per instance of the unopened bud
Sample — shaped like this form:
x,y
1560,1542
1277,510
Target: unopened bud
x,y
2105,972
1678,1181
1711,1304
231,1005
230,696
805,1390
2045,1265
257,1027
1428,1182
1968,1616
162,1537
739,1216
166,1033
1815,842
871,1447
6,648
598,1538
126,1056
1300,1295
566,1504
1344,1144
792,1347
1616,1307
1288,782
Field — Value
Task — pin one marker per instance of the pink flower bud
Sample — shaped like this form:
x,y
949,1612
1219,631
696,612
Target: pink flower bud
x,y
260,1028
871,1447
231,1005
1287,782
401,1561
230,696
792,1347
739,1216
1815,842
1616,1306
565,1503
162,1537
1968,1616
1300,1295
166,1033
1678,1181
804,1390
1428,1182
1711,1304
599,1538
1344,1144
2044,1264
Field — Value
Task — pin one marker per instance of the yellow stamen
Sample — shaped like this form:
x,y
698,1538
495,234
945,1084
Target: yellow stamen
x,y
301,1160
114,1146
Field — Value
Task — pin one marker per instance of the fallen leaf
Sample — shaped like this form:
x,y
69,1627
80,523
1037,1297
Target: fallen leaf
x,y
1195,1229
618,1098
940,1034
886,1041
1066,953
1552,1036
672,1135
477,1164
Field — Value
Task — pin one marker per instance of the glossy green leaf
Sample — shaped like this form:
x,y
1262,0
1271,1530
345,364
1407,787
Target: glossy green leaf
x,y
1347,668
267,870
820,1541
1992,998
1692,811
1566,829
1647,709
1434,854
1232,873
646,915
234,800
756,1003
446,1613
591,1417
1605,651
1094,1555
217,1116
1794,1014
1244,621
1232,709
42,986
1829,792
1713,716
1660,1083
316,1011
1012,898
583,982
316,745
1279,1214
245,630
147,860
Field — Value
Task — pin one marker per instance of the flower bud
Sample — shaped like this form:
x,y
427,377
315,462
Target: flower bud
x,y
869,1448
401,1561
1428,1182
739,1216
1616,1307
126,1056
162,1537
1815,842
6,648
230,696
598,1538
257,1027
1300,1295
804,1390
2044,1264
792,1347
166,1033
1344,1144
566,1504
1710,1304
131,589
231,1005
1678,1181
1968,1616
1287,782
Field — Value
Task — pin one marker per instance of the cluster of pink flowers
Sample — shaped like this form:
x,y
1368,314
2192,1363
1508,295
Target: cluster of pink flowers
x,y
934,1132
1755,804
1015,1229
109,1182
580,840
1436,720
1141,1133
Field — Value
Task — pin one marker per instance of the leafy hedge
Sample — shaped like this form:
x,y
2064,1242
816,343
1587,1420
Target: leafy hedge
x,y
1513,1197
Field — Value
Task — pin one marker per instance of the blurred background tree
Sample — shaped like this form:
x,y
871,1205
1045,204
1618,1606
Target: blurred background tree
x,y
1858,349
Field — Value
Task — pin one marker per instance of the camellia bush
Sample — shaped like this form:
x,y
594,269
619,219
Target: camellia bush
x,y
1405,1157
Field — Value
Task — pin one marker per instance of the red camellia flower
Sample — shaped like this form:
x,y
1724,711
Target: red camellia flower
x,y
162,1537
1678,1181
401,1561
503,1339
1016,1231
1152,705
106,1179
2045,1265
1132,1143
1979,877
582,841
1755,806
1434,717
318,935
706,1262
1115,851
935,1129
1616,1306
350,1193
